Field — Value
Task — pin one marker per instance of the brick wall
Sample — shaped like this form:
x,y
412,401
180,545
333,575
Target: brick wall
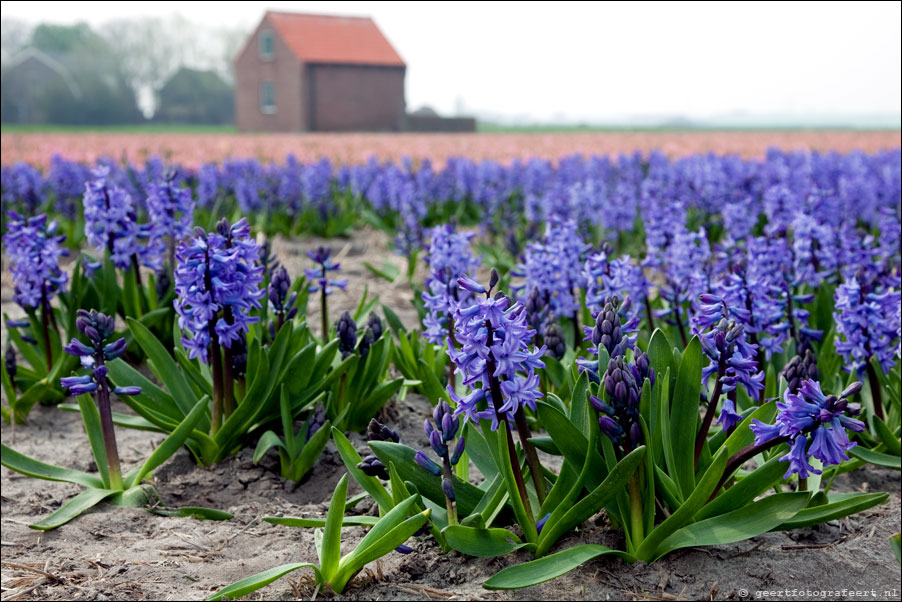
x,y
355,98
284,71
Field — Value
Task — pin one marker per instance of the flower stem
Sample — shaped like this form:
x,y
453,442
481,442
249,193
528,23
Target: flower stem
x,y
532,458
452,511
46,313
649,315
109,435
137,271
216,364
495,390
744,455
324,310
709,413
228,385
679,321
876,394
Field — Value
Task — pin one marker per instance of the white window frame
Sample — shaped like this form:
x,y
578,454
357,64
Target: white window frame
x,y
264,108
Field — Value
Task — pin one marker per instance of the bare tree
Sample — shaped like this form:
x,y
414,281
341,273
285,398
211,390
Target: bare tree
x,y
14,36
152,49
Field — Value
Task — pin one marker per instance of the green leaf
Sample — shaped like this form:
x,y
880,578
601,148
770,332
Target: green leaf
x,y
91,418
549,567
746,522
379,546
684,416
876,458
579,406
526,522
171,444
479,452
169,371
895,542
482,543
196,512
394,322
267,440
660,354
351,459
592,503
386,523
748,488
39,470
254,582
891,441
838,506
388,272
331,552
78,505
152,398
365,409
683,515
312,450
468,495
347,521
566,437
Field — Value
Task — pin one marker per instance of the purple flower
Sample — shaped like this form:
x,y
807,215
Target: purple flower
x,y
217,283
620,413
449,258
798,460
98,328
34,251
110,220
867,324
552,267
611,333
171,209
320,276
811,414
493,341
346,329
281,303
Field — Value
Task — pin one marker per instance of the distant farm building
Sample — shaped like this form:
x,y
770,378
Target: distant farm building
x,y
308,73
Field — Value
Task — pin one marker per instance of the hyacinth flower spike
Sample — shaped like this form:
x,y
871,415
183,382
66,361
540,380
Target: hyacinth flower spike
x,y
732,360
496,362
441,431
281,303
171,211
813,423
98,328
34,250
321,282
448,258
217,283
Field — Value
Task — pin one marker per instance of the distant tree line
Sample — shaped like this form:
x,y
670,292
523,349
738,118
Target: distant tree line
x,y
129,71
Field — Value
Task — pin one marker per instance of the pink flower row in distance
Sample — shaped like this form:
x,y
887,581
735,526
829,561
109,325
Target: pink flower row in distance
x,y
195,149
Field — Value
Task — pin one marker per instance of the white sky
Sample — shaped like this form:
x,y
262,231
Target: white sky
x,y
603,61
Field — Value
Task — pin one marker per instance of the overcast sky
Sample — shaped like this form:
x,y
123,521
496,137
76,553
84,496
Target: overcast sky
x,y
603,61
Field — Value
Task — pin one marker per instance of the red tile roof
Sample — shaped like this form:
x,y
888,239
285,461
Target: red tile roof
x,y
334,39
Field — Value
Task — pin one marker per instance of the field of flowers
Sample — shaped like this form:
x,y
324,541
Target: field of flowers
x,y
193,150
659,374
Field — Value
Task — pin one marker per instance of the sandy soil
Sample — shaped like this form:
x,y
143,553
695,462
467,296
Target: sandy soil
x,y
117,553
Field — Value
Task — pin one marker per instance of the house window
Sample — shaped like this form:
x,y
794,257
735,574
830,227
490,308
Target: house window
x,y
267,98
266,45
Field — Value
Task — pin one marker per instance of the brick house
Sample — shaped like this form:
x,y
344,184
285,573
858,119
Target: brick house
x,y
303,72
